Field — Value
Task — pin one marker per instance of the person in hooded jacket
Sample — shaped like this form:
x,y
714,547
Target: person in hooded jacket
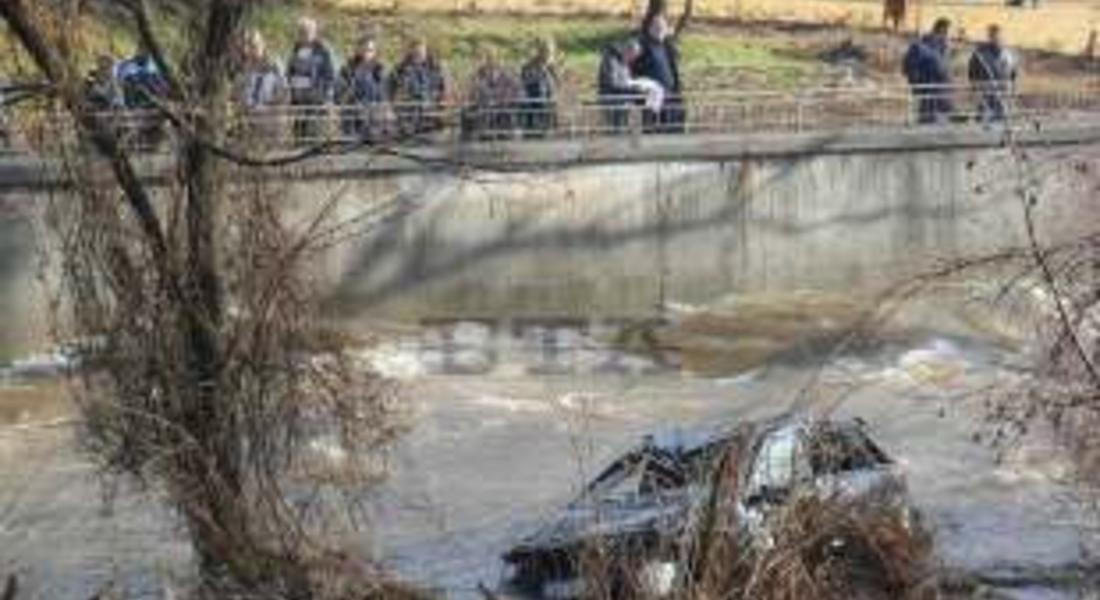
x,y
361,92
927,67
993,71
660,62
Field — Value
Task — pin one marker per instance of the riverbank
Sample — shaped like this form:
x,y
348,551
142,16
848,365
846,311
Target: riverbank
x,y
1057,26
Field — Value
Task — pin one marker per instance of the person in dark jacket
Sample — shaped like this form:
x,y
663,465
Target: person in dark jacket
x,y
660,61
616,84
142,86
993,70
418,88
927,66
494,96
311,74
539,77
361,92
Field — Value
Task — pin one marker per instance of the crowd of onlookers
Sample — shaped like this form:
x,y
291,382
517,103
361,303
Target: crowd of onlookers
x,y
639,74
992,72
371,101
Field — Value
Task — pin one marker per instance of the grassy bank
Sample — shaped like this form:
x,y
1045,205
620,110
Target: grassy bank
x,y
1059,25
713,53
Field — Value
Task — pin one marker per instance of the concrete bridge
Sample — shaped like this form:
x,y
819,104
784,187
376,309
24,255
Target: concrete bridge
x,y
613,226
721,126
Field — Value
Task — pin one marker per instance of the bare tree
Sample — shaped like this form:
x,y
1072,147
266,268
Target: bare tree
x,y
207,378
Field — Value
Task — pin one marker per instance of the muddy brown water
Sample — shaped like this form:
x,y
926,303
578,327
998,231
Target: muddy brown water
x,y
491,456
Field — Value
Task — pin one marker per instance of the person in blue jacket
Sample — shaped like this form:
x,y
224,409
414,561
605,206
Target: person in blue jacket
x,y
142,86
361,92
927,67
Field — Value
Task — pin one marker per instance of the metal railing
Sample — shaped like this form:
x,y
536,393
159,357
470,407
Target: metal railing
x,y
810,110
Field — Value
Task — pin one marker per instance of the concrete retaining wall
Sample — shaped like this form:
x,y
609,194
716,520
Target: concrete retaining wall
x,y
617,240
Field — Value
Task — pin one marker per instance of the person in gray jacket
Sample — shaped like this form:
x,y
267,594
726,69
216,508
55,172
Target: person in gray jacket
x,y
311,73
619,88
993,71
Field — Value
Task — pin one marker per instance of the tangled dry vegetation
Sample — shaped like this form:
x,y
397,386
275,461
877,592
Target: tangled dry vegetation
x,y
821,548
207,379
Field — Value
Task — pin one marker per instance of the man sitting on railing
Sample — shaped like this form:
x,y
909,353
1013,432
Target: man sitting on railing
x,y
619,89
927,66
993,70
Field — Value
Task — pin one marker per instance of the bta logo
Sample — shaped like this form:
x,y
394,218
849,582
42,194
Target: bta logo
x,y
543,346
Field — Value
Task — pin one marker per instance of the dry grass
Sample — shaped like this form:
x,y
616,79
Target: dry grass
x,y
1058,26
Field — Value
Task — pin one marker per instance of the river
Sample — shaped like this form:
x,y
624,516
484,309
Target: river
x,y
497,448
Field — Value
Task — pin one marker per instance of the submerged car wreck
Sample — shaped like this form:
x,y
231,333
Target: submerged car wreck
x,y
640,521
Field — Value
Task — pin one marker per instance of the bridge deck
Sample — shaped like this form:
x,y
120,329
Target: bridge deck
x,y
22,171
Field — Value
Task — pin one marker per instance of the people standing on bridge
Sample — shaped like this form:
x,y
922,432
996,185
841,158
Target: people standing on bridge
x,y
539,76
993,71
311,73
494,98
619,89
660,62
418,90
361,92
927,66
